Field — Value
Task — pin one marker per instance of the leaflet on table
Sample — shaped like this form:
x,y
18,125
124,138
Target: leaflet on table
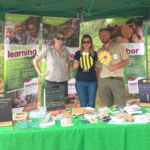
x,y
37,114
94,114
58,117
115,112
66,122
25,125
47,124
114,120
88,108
106,109
143,118
46,121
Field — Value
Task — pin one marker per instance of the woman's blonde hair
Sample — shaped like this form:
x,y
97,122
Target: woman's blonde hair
x,y
91,47
60,31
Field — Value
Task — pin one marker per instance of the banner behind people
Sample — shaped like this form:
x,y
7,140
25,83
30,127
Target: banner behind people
x,y
130,34
71,28
21,46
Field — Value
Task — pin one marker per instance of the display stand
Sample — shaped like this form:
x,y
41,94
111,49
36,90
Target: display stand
x,y
55,97
5,110
144,90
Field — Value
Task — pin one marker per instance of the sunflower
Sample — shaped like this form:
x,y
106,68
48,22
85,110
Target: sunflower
x,y
105,58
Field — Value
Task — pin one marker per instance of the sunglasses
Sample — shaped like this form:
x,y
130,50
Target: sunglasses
x,y
84,42
59,38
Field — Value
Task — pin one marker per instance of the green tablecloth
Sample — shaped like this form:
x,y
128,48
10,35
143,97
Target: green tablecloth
x,y
100,136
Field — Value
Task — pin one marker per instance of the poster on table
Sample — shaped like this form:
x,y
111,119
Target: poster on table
x,y
144,90
130,34
5,110
21,47
71,28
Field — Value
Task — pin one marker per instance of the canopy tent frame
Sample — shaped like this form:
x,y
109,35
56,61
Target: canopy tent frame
x,y
12,10
86,13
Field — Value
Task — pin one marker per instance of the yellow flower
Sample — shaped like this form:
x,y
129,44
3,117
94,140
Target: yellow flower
x,y
105,58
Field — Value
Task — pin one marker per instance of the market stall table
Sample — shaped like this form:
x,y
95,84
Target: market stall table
x,y
100,136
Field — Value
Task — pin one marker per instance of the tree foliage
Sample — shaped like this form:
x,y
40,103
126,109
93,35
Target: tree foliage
x,y
92,28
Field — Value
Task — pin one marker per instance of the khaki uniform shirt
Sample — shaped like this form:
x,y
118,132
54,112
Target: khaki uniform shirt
x,y
55,64
118,54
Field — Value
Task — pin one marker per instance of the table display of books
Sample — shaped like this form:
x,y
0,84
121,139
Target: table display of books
x,y
87,116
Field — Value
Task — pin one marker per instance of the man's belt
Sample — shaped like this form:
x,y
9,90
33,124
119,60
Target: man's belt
x,y
118,78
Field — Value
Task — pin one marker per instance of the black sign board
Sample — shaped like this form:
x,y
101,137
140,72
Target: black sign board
x,y
5,108
55,97
144,90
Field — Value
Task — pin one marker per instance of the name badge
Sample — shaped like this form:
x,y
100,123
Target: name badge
x,y
115,56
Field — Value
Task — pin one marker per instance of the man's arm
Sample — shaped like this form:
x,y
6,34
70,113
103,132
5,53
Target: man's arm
x,y
68,68
120,65
98,73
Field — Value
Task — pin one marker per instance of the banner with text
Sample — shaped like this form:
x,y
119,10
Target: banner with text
x,y
21,46
130,34
71,28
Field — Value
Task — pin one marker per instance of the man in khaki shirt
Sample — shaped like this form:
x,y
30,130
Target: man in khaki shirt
x,y
110,78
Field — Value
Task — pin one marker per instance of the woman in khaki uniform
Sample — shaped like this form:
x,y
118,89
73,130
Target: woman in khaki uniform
x,y
58,62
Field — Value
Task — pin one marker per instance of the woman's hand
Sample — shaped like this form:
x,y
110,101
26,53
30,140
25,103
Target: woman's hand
x,y
75,65
45,73
68,74
73,68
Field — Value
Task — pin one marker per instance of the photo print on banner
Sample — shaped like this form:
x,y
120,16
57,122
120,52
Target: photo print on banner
x,y
21,47
71,27
130,34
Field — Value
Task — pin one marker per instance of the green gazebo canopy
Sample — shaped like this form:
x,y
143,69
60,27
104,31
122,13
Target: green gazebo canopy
x,y
90,9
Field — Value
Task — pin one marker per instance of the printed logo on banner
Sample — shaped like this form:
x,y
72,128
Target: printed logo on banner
x,y
16,18
134,49
72,51
8,18
20,51
54,21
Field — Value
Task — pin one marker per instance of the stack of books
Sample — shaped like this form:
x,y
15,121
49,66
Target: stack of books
x,y
133,109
